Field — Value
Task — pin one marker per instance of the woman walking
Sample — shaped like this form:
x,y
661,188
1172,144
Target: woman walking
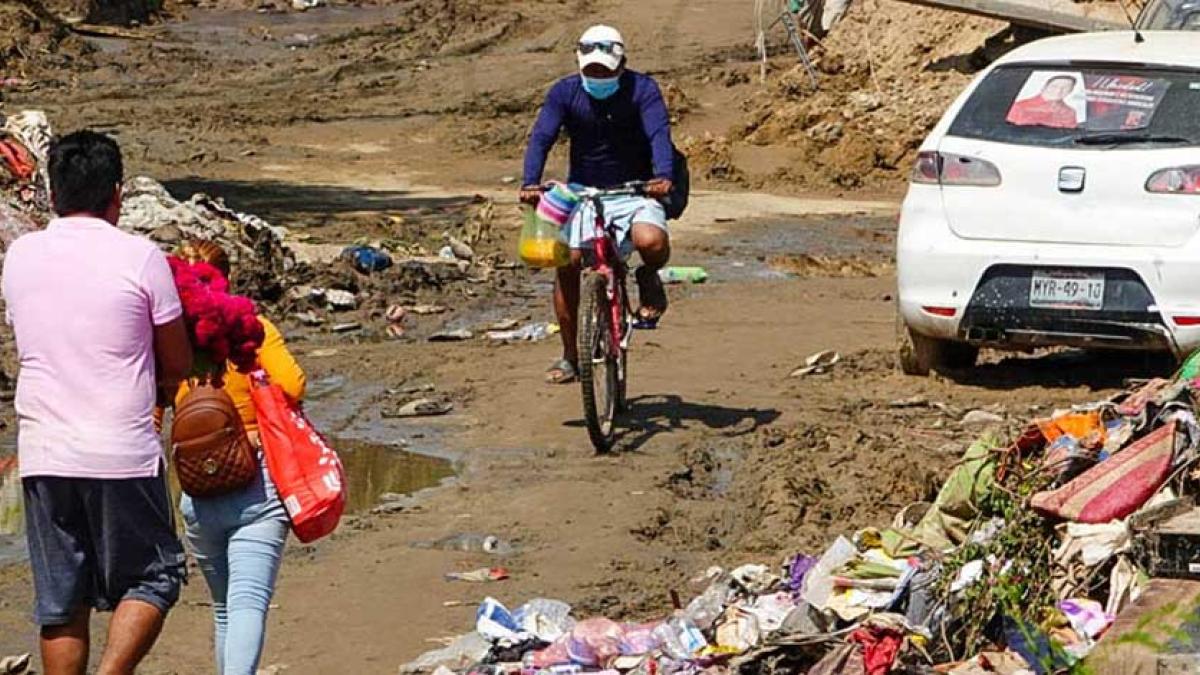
x,y
238,538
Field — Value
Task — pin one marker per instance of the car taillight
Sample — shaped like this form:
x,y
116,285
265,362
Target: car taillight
x,y
1179,180
943,168
927,168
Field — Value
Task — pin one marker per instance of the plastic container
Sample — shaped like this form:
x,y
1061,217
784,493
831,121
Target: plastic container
x,y
707,607
542,243
679,275
1191,367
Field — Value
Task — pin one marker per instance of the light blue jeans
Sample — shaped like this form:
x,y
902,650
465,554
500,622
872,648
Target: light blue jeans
x,y
238,541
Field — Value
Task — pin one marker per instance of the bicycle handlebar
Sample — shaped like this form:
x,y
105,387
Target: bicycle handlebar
x,y
632,188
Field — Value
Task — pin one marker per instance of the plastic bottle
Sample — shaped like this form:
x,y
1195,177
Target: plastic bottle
x,y
706,608
678,275
681,639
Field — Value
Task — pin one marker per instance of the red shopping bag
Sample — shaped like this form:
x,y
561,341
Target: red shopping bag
x,y
306,471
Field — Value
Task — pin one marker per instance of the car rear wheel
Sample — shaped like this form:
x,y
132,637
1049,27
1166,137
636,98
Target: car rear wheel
x,y
917,354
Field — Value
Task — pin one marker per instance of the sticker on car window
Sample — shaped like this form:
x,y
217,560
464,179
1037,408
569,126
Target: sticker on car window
x,y
1053,99
1117,102
1092,101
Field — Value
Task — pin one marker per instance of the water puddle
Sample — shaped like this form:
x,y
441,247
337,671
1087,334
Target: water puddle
x,y
12,518
372,470
743,252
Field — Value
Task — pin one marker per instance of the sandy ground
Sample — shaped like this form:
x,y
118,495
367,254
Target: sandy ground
x,y
723,457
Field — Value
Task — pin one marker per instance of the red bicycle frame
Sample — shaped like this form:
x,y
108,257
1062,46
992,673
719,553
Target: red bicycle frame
x,y
607,260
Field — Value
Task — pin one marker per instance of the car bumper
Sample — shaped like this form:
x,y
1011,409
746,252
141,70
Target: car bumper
x,y
948,289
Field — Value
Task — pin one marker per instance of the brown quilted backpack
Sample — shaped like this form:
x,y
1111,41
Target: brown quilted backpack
x,y
212,453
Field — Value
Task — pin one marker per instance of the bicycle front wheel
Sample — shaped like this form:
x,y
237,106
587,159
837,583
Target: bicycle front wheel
x,y
599,367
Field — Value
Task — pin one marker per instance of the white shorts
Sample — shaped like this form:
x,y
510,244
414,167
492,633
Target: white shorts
x,y
622,213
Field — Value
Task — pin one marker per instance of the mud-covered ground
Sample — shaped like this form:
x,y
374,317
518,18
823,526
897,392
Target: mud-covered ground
x,y
398,122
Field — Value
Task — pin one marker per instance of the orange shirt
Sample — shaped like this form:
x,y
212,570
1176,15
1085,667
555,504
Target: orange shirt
x,y
281,368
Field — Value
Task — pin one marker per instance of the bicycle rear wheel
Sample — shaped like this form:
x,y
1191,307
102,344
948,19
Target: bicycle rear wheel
x,y
599,368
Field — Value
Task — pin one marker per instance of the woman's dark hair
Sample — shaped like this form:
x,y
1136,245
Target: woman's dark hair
x,y
85,170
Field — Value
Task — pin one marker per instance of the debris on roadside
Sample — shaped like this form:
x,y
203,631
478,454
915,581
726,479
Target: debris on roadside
x,y
817,364
469,542
679,275
533,332
422,407
479,576
457,335
16,665
1030,551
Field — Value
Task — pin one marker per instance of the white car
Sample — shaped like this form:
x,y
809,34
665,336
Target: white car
x,y
1057,202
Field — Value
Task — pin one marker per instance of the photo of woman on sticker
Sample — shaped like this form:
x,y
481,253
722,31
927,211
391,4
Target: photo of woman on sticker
x,y
1050,99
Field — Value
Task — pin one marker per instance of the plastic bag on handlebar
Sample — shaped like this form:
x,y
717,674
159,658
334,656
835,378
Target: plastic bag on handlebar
x,y
542,243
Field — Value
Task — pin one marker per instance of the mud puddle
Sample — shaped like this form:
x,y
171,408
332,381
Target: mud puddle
x,y
372,470
856,245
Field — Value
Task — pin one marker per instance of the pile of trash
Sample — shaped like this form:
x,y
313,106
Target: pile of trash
x,y
1030,550
257,253
24,184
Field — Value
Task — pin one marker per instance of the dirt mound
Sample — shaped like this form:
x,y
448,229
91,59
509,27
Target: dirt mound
x,y
32,38
886,74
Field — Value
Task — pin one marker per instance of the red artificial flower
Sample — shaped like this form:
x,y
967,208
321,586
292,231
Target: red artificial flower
x,y
225,327
210,277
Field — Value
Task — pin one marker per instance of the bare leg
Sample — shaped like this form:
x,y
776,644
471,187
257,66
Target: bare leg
x,y
654,247
566,305
65,648
134,628
653,244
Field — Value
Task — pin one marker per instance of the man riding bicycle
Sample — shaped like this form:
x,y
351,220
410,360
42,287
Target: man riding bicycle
x,y
620,132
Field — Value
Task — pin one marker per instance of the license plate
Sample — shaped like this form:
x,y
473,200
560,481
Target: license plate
x,y
1066,289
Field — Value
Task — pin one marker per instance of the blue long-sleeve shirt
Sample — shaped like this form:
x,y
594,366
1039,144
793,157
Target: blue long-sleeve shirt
x,y
623,138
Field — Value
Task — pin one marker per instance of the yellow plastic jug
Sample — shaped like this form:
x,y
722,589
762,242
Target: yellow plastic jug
x,y
542,243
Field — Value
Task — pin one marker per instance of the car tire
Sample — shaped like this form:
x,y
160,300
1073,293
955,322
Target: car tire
x,y
918,354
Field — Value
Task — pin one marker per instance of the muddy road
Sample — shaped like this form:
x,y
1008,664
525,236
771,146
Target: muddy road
x,y
723,458
375,124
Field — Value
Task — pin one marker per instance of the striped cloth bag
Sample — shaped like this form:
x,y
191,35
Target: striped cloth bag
x,y
1117,486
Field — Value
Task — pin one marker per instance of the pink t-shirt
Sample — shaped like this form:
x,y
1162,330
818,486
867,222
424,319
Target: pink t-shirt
x,y
83,298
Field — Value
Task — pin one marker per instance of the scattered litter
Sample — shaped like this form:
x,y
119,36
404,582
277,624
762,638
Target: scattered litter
x,y
300,40
917,401
367,259
981,418
1005,551
533,332
16,665
424,407
347,327
817,364
308,318
459,250
423,310
452,335
469,543
679,275
395,314
338,300
479,576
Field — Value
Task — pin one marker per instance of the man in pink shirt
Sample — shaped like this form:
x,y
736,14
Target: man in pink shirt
x,y
98,328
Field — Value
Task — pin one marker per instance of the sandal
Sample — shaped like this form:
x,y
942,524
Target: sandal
x,y
561,372
653,299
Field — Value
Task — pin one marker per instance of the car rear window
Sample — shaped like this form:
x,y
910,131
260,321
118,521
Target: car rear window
x,y
1066,105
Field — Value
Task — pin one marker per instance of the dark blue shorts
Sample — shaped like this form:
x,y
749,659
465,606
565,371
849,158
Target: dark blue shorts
x,y
96,542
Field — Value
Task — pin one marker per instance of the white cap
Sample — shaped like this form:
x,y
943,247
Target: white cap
x,y
601,34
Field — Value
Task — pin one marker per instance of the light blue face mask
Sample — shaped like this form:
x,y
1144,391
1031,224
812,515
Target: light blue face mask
x,y
601,88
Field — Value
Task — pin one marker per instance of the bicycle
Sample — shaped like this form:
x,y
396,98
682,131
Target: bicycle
x,y
604,321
